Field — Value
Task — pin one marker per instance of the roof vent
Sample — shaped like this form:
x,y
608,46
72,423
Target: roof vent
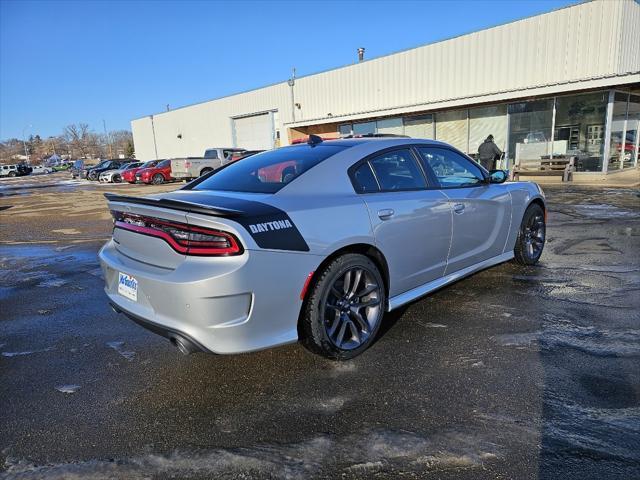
x,y
361,54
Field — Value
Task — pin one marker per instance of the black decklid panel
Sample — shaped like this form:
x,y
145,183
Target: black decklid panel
x,y
269,226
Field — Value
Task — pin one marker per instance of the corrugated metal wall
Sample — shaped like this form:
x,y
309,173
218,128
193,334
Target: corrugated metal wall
x,y
203,125
567,48
572,44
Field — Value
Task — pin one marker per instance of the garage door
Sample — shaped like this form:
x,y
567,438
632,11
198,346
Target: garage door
x,y
254,132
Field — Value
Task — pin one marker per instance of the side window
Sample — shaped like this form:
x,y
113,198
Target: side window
x,y
397,170
363,179
451,169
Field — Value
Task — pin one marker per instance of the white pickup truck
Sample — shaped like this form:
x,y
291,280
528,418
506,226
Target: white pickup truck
x,y
193,167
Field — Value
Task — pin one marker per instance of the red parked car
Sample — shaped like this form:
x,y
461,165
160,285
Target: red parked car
x,y
156,174
130,175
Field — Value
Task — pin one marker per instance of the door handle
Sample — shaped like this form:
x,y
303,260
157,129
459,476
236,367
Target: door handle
x,y
386,213
458,207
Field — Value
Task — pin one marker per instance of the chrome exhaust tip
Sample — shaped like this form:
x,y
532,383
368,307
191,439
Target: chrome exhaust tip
x,y
185,346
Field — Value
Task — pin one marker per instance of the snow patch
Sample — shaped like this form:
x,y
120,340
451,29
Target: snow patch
x,y
118,346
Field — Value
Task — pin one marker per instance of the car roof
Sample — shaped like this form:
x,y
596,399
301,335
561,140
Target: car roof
x,y
382,142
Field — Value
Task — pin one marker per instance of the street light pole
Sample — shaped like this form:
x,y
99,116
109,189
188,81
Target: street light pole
x,y
26,153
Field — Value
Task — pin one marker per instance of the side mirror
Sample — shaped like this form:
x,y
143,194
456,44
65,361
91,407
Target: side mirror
x,y
497,176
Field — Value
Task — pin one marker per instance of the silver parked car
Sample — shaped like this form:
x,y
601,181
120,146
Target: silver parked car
x,y
115,176
313,242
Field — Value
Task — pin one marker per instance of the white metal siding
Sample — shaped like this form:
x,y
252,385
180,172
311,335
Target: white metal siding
x,y
254,132
143,139
561,47
590,45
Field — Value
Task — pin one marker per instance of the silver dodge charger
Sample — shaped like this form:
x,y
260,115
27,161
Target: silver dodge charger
x,y
313,242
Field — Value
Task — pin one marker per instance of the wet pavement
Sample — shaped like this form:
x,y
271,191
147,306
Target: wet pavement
x,y
512,373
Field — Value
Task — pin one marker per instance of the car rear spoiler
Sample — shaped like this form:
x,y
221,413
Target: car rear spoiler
x,y
176,205
269,226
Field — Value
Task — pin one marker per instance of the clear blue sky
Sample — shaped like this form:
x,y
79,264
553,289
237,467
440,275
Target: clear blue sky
x,y
65,62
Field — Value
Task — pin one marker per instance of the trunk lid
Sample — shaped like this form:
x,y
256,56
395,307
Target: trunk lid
x,y
253,221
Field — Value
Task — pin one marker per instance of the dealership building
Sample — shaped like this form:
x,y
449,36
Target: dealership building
x,y
564,83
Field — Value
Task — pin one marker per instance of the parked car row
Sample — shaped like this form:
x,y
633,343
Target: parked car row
x,y
157,172
18,170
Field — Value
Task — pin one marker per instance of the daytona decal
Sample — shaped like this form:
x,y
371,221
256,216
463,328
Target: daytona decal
x,y
265,227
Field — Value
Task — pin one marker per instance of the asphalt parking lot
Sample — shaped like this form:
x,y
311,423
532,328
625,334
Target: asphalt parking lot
x,y
512,373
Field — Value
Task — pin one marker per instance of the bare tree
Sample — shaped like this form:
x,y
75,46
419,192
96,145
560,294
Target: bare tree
x,y
79,136
77,140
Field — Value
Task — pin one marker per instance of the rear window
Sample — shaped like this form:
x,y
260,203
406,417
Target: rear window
x,y
268,172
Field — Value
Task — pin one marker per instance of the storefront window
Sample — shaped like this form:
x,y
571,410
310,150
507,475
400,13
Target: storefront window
x,y
618,147
451,127
390,126
579,129
420,126
364,128
530,131
485,121
344,130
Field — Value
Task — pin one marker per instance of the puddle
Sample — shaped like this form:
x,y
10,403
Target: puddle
x,y
589,340
42,265
119,347
68,388
613,432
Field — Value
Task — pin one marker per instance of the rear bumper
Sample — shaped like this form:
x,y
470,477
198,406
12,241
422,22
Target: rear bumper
x,y
158,329
223,305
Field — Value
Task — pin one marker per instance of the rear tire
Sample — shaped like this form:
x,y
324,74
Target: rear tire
x,y
12,174
205,171
531,236
344,308
157,179
116,179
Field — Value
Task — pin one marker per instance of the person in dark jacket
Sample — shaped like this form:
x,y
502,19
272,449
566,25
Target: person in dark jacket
x,y
488,153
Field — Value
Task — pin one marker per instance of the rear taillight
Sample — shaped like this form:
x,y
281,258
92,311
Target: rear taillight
x,y
183,238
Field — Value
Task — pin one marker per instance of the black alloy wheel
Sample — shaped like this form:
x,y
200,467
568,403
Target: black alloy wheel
x,y
344,307
531,237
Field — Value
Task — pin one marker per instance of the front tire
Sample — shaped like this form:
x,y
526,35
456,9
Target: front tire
x,y
116,179
157,179
344,308
531,236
